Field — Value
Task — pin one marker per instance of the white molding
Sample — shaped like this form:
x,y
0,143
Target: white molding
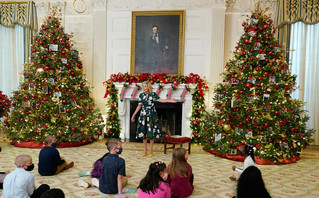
x,y
99,4
163,4
246,6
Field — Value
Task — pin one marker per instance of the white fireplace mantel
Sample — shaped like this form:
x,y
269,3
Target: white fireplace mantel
x,y
124,105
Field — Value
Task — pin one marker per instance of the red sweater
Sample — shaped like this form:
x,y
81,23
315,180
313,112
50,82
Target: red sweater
x,y
181,186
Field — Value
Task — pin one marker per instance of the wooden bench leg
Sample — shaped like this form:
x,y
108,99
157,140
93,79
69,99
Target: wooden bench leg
x,y
164,147
189,147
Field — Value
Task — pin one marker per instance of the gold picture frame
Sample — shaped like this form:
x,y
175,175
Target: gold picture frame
x,y
157,42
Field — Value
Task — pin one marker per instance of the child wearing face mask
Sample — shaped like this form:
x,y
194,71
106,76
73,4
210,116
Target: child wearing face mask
x,y
154,183
20,183
50,162
180,175
112,178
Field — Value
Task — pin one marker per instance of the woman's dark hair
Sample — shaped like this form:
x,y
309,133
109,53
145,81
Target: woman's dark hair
x,y
151,181
249,150
251,184
53,193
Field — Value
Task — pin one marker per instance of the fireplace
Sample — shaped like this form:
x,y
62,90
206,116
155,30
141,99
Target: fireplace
x,y
170,115
180,111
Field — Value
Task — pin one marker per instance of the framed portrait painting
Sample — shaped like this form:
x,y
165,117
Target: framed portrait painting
x,y
157,42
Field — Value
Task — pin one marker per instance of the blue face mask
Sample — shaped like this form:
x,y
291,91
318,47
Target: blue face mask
x,y
54,144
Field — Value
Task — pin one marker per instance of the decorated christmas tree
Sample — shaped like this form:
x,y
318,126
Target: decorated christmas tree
x,y
253,105
53,98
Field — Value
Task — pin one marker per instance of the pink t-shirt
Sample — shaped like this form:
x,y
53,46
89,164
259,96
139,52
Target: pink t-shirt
x,y
163,191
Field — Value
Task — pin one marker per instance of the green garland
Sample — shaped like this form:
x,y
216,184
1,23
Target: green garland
x,y
198,107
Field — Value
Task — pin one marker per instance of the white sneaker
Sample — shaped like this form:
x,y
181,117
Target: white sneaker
x,y
95,182
83,183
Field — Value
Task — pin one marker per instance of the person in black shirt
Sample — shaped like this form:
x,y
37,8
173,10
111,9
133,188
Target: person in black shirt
x,y
50,162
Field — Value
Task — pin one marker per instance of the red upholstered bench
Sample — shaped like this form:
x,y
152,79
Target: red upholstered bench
x,y
177,140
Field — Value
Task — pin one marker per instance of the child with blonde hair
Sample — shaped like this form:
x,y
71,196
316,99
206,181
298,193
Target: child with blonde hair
x,y
180,174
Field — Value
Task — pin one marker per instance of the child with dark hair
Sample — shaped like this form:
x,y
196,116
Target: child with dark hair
x,y
53,193
153,184
251,184
180,175
248,153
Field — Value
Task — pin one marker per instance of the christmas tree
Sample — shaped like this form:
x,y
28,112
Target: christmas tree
x,y
253,105
53,98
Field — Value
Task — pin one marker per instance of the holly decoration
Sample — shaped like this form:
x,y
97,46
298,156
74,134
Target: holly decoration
x,y
5,105
253,105
198,107
54,98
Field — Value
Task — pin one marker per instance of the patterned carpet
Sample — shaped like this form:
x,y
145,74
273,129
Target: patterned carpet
x,y
211,173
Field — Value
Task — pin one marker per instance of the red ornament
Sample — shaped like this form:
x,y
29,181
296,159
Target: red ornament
x,y
246,41
266,125
22,119
258,146
243,24
257,69
248,85
99,132
63,101
277,113
231,142
68,110
61,133
63,52
73,129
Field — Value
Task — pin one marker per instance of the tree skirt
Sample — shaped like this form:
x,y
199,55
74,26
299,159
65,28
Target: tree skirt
x,y
257,158
41,145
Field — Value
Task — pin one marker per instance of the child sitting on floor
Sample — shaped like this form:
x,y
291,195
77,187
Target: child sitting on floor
x,y
153,184
248,153
180,175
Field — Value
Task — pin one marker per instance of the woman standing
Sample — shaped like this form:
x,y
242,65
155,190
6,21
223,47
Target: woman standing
x,y
148,125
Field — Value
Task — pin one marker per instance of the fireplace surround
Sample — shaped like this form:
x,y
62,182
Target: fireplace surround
x,y
128,98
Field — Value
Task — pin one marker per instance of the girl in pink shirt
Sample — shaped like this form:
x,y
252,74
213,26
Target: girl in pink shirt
x,y
153,184
180,174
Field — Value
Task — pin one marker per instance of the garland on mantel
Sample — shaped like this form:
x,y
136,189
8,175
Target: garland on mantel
x,y
198,107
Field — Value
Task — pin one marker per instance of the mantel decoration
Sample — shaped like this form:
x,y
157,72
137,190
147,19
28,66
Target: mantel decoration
x,y
198,107
5,105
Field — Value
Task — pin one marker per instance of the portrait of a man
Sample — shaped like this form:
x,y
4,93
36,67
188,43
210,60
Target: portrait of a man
x,y
157,42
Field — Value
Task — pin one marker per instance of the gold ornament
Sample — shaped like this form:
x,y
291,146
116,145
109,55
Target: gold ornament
x,y
226,127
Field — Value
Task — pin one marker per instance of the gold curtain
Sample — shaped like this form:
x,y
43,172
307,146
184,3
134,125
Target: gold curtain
x,y
23,14
292,11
